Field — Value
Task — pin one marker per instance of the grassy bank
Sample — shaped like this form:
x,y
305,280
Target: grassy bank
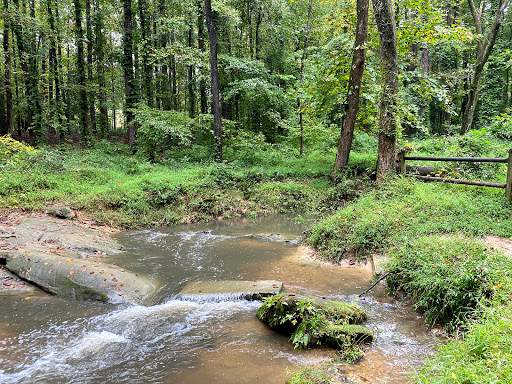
x,y
433,237
115,187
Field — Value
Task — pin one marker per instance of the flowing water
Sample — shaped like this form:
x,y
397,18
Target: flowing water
x,y
46,339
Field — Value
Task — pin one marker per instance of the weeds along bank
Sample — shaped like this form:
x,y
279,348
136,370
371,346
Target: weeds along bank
x,y
115,187
433,237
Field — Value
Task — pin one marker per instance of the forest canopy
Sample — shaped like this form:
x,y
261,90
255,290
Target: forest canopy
x,y
139,71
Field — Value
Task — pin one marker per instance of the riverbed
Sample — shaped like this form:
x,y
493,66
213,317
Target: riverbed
x,y
46,339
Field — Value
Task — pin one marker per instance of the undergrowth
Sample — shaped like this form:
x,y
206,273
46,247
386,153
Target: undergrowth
x,y
404,209
483,355
120,189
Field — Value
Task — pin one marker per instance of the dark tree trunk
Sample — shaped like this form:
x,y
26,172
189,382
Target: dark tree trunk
x,y
201,46
129,90
147,76
7,57
302,61
102,123
354,86
90,93
385,20
216,110
191,77
485,46
80,62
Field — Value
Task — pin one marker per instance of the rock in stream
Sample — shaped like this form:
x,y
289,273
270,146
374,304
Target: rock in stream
x,y
65,258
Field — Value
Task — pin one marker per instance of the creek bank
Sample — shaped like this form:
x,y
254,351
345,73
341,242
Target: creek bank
x,y
313,321
66,258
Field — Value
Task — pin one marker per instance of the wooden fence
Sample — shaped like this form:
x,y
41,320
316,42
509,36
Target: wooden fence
x,y
508,160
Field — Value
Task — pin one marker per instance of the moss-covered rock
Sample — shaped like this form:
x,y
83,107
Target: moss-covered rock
x,y
312,321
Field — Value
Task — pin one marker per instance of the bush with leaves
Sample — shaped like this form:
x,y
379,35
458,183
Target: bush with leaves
x,y
161,130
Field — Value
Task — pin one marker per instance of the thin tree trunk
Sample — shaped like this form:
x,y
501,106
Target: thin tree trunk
x,y
128,72
147,83
386,26
201,46
354,87
7,58
302,61
425,69
102,124
216,110
90,93
82,93
485,46
191,77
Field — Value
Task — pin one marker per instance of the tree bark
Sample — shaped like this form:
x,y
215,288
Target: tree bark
x,y
90,93
354,87
7,74
191,77
485,45
214,71
386,26
302,61
201,46
83,105
129,90
102,123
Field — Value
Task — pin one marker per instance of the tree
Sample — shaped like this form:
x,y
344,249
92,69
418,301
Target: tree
x,y
214,71
129,88
354,87
485,43
302,59
385,19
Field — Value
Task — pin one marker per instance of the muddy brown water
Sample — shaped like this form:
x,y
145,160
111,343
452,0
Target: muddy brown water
x,y
45,339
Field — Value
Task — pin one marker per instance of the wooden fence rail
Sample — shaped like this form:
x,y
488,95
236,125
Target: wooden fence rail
x,y
508,160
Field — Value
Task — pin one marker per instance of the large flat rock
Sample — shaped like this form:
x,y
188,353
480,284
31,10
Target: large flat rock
x,y
68,258
248,290
80,278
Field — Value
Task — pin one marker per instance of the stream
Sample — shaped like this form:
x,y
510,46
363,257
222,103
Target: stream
x,y
47,339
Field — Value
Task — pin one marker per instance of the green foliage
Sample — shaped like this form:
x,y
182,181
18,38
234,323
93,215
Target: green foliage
x,y
483,356
161,130
404,209
309,376
475,143
449,278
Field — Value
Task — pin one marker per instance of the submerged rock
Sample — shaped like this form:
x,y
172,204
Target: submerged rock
x,y
312,321
231,289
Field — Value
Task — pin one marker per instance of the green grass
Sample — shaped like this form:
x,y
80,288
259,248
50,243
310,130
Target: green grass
x,y
404,209
483,356
449,278
118,188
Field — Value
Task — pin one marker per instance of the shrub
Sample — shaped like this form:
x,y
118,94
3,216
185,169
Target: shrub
x,y
449,278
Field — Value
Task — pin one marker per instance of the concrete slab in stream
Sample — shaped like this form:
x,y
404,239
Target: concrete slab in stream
x,y
248,290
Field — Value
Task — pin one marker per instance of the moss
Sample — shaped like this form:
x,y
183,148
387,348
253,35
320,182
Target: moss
x,y
312,321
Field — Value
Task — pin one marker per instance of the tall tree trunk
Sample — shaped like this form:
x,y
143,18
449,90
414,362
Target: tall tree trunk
x,y
7,58
425,69
83,110
485,45
147,82
129,90
191,73
201,46
386,26
90,92
216,110
102,123
302,61
354,86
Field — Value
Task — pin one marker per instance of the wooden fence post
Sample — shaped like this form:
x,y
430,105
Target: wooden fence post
x,y
402,163
508,186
